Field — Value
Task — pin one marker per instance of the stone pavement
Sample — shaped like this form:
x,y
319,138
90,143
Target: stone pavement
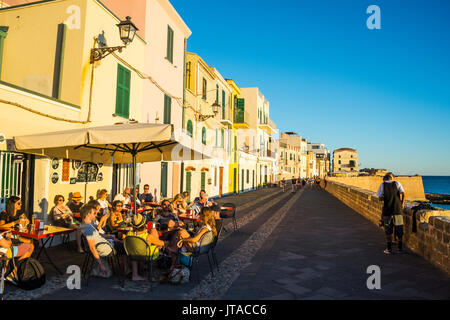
x,y
322,249
303,246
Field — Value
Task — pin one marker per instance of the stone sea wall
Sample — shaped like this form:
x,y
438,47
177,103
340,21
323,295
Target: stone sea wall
x,y
431,239
413,185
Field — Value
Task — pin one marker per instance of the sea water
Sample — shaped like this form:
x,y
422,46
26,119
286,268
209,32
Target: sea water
x,y
437,184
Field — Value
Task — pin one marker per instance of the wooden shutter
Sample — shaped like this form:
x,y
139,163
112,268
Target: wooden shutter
x,y
3,32
203,181
188,183
123,92
167,109
169,44
190,129
164,179
223,104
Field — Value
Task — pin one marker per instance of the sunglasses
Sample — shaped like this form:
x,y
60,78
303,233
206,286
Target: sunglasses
x,y
60,200
119,206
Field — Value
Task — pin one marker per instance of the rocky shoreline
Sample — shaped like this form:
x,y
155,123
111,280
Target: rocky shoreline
x,y
438,198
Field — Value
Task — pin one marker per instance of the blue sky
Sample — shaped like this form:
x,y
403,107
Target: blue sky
x,y
332,80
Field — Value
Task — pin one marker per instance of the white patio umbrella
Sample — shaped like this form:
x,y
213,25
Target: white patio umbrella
x,y
119,144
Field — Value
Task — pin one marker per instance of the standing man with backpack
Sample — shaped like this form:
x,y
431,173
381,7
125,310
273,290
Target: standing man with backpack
x,y
393,196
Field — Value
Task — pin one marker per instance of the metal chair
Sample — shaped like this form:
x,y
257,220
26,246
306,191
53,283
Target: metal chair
x,y
88,262
204,248
229,214
139,250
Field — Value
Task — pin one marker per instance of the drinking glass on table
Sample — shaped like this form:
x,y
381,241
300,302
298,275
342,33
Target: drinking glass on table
x,y
23,222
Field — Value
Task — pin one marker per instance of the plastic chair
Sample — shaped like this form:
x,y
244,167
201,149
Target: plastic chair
x,y
88,262
229,214
204,248
139,250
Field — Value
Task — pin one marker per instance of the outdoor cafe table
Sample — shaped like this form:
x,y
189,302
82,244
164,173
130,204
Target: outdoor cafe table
x,y
187,217
44,236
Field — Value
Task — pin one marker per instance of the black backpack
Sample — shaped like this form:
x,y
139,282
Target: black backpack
x,y
30,274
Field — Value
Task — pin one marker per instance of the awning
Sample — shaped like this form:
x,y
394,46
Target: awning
x,y
111,144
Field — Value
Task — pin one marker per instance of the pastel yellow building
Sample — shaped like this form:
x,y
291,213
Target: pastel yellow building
x,y
207,120
345,160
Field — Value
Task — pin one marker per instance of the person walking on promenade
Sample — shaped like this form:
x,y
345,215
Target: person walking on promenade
x,y
283,184
293,185
393,196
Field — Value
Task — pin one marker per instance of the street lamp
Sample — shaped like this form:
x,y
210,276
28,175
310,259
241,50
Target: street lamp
x,y
127,31
215,108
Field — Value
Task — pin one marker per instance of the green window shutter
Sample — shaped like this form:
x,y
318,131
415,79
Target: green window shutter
x,y
204,89
3,31
167,109
222,138
164,179
203,181
190,129
169,44
217,93
188,182
59,60
204,135
217,137
223,104
123,92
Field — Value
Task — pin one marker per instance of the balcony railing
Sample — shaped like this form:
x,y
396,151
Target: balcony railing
x,y
241,117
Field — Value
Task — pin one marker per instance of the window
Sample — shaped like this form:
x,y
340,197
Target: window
x,y
123,92
164,179
223,104
248,176
222,138
204,89
169,44
167,109
3,31
204,135
190,129
217,93
339,161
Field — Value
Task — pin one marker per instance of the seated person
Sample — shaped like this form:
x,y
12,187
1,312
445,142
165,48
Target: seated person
x,y
178,205
203,195
12,215
126,198
76,204
140,230
146,196
115,219
185,203
105,206
21,251
167,217
93,238
188,243
62,216
98,223
198,205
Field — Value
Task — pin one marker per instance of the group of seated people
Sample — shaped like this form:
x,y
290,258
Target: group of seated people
x,y
177,238
100,222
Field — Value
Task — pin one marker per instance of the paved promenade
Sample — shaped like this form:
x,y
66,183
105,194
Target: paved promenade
x,y
303,246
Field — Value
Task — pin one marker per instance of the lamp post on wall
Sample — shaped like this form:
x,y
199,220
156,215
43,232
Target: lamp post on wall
x,y
127,31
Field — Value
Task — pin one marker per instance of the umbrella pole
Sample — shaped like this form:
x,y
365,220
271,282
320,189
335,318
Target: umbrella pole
x,y
134,183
